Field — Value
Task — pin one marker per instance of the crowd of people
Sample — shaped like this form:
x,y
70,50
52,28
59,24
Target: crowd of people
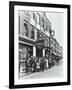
x,y
35,64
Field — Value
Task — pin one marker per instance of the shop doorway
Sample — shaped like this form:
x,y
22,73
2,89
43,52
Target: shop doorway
x,y
39,52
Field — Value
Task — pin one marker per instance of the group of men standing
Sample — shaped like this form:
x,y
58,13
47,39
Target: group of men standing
x,y
36,64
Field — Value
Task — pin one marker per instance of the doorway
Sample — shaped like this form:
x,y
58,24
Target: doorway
x,y
39,52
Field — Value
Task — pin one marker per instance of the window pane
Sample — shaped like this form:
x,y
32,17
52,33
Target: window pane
x,y
41,35
38,18
42,22
33,16
26,12
32,32
26,29
46,26
38,35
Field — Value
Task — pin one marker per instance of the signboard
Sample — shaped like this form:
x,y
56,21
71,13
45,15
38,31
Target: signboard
x,y
40,44
46,42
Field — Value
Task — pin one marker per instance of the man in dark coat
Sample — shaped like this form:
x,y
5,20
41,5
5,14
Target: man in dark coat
x,y
42,64
26,63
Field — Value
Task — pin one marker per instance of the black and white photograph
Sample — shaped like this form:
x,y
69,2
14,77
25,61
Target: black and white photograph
x,y
40,45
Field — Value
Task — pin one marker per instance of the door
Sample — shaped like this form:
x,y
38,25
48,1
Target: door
x,y
39,52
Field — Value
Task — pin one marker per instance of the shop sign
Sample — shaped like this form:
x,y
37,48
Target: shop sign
x,y
40,44
46,42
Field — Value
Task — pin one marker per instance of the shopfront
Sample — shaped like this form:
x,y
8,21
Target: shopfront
x,y
29,48
47,52
42,47
39,48
25,51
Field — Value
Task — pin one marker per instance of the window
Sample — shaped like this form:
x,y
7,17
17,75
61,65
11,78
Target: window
x,y
46,26
26,12
41,35
42,22
38,18
33,16
32,32
49,29
38,34
26,29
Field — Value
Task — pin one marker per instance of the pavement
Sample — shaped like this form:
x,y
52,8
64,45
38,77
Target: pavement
x,y
55,71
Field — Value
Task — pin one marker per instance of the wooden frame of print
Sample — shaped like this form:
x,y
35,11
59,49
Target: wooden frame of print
x,y
12,48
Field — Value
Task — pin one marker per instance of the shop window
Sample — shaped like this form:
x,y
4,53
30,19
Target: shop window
x,y
26,29
32,32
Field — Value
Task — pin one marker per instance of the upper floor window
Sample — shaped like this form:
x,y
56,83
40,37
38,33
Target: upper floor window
x,y
42,22
38,34
49,29
26,12
33,16
32,32
41,35
26,29
46,26
38,18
